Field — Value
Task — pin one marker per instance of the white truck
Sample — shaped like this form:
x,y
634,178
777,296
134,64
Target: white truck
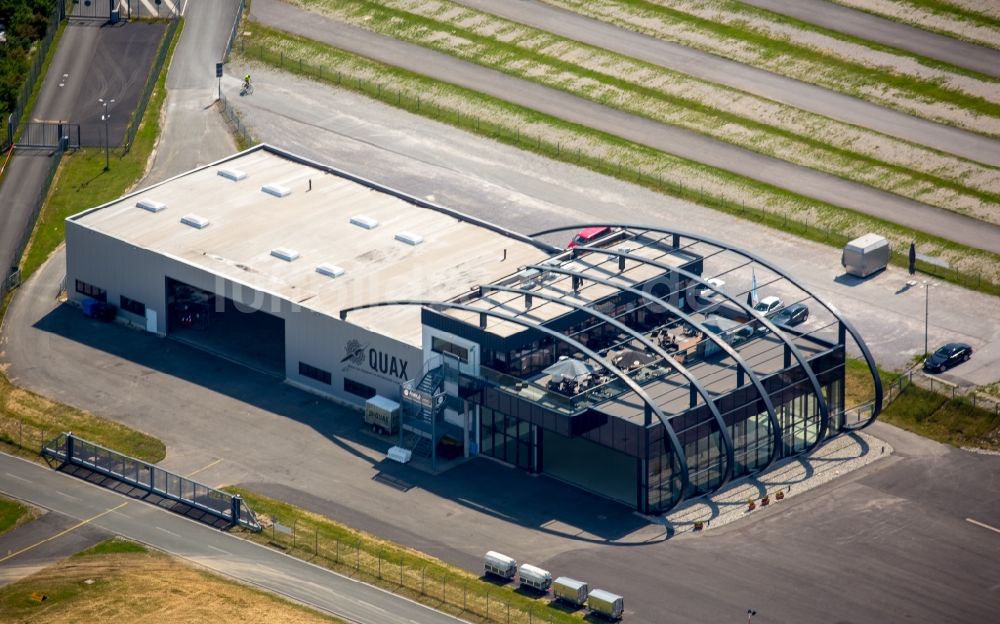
x,y
500,565
607,604
570,590
534,577
866,255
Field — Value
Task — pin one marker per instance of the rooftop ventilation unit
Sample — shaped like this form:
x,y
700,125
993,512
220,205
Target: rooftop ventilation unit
x,y
409,238
285,254
232,174
330,270
150,205
276,189
366,222
195,221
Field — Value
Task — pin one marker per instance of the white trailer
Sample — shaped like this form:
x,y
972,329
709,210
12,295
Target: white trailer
x,y
607,604
866,255
382,414
534,577
500,565
570,590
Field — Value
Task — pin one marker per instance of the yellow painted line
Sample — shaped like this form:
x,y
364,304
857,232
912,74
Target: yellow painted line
x,y
984,525
206,467
60,534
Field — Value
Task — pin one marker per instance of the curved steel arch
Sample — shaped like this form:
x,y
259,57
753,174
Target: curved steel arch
x,y
846,324
824,408
817,390
727,440
671,434
721,343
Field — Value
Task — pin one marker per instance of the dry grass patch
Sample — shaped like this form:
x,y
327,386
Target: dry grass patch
x,y
114,586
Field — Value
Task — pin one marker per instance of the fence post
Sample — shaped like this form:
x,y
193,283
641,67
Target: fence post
x,y
444,587
487,604
357,561
336,553
235,507
465,594
316,542
423,576
380,564
295,523
401,571
69,447
508,611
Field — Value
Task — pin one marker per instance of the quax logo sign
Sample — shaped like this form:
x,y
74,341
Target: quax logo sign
x,y
371,360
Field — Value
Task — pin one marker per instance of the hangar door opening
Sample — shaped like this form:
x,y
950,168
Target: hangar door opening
x,y
218,325
591,466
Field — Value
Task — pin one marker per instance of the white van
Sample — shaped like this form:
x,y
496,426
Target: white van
x,y
500,565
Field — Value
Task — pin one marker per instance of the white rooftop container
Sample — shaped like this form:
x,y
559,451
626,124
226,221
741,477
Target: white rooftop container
x,y
195,221
276,189
151,205
232,174
366,222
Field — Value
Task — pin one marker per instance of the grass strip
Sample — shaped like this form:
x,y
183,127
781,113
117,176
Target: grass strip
x,y
112,546
903,92
396,568
955,421
29,420
936,7
533,55
610,155
12,514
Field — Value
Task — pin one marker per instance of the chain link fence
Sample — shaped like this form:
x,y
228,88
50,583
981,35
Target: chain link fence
x,y
233,117
404,573
42,51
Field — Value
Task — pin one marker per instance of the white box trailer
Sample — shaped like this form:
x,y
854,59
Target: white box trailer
x,y
866,255
570,590
534,577
500,565
607,604
382,414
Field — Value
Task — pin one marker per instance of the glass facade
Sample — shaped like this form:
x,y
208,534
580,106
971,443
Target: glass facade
x,y
507,438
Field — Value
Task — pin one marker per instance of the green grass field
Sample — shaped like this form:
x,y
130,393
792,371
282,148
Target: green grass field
x,y
11,514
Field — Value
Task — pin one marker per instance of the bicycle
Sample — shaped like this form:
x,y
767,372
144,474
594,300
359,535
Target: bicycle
x,y
247,88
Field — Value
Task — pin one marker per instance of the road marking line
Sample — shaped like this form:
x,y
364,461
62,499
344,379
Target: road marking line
x,y
14,476
206,467
985,526
166,531
61,533
225,552
67,495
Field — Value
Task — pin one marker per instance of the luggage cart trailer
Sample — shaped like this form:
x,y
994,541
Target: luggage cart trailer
x,y
570,590
607,604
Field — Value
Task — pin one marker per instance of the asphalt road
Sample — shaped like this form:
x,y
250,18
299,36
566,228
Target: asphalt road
x,y
193,133
670,139
867,26
760,82
215,550
98,61
19,195
865,543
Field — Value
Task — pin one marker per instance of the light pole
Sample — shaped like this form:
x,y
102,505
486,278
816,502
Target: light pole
x,y
106,117
750,614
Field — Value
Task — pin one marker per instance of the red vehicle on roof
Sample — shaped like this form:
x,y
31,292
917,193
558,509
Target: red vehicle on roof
x,y
588,235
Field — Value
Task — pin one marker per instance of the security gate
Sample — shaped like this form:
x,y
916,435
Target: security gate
x,y
92,9
55,135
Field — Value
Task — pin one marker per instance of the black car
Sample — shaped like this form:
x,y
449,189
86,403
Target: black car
x,y
947,356
792,315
